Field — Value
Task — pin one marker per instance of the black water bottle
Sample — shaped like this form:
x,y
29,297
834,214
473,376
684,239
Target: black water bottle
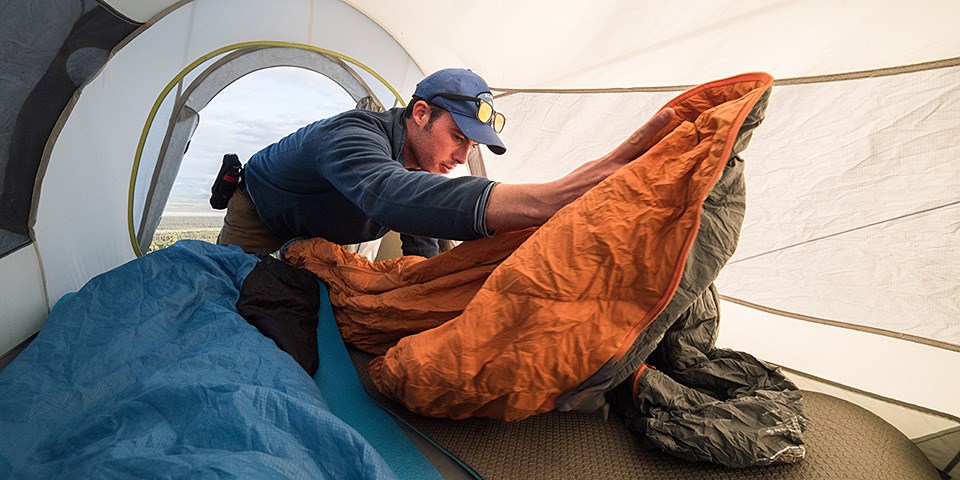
x,y
227,181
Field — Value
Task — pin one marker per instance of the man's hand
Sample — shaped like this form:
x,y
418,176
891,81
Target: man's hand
x,y
516,206
643,139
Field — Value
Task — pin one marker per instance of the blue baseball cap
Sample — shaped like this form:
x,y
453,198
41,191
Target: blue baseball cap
x,y
462,82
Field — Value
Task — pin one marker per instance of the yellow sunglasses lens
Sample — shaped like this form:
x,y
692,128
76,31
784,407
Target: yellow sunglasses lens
x,y
498,121
484,112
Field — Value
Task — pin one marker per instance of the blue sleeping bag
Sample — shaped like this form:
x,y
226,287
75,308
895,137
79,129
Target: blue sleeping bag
x,y
148,371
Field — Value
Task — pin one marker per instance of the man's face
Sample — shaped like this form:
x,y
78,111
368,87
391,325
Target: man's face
x,y
437,146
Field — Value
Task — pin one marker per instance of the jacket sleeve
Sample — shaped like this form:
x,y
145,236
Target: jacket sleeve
x,y
422,246
358,162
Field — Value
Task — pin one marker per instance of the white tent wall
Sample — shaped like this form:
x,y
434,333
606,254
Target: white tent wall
x,y
853,212
632,43
22,297
100,137
550,134
853,215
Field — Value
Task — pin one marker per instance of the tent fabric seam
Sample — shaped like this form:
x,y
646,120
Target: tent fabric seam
x,y
849,230
849,326
142,26
891,401
16,247
383,27
836,77
936,435
116,13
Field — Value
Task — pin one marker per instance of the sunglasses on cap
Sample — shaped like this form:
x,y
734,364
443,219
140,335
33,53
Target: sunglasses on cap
x,y
485,111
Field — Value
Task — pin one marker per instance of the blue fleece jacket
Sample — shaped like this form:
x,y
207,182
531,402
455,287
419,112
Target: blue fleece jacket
x,y
342,178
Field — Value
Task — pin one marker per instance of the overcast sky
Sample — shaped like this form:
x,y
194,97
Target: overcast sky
x,y
251,113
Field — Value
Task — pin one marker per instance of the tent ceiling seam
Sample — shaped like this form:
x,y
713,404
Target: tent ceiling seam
x,y
892,401
396,38
849,230
116,13
14,248
43,275
937,435
878,72
849,326
836,77
143,26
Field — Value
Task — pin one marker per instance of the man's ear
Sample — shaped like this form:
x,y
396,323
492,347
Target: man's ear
x,y
421,113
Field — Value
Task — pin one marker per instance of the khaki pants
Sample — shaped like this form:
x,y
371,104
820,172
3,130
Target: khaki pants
x,y
242,226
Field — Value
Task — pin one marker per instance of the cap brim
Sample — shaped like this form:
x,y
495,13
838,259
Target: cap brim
x,y
479,132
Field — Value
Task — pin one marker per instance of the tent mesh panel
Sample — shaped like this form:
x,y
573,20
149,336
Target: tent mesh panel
x,y
38,76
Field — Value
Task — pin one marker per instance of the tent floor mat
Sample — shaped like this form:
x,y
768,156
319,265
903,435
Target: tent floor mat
x,y
843,441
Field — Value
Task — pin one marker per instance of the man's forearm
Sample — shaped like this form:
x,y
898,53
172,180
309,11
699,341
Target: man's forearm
x,y
513,206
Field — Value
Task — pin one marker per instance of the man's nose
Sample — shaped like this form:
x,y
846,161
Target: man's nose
x,y
461,155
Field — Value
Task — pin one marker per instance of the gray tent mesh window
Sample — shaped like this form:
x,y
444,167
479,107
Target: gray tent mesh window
x,y
38,76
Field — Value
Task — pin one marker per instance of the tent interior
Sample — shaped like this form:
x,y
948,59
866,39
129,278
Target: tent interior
x,y
846,274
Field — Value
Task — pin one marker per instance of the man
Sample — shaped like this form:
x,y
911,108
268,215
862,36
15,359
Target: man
x,y
353,177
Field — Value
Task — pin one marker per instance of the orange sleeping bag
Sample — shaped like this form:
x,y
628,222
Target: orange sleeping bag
x,y
510,323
